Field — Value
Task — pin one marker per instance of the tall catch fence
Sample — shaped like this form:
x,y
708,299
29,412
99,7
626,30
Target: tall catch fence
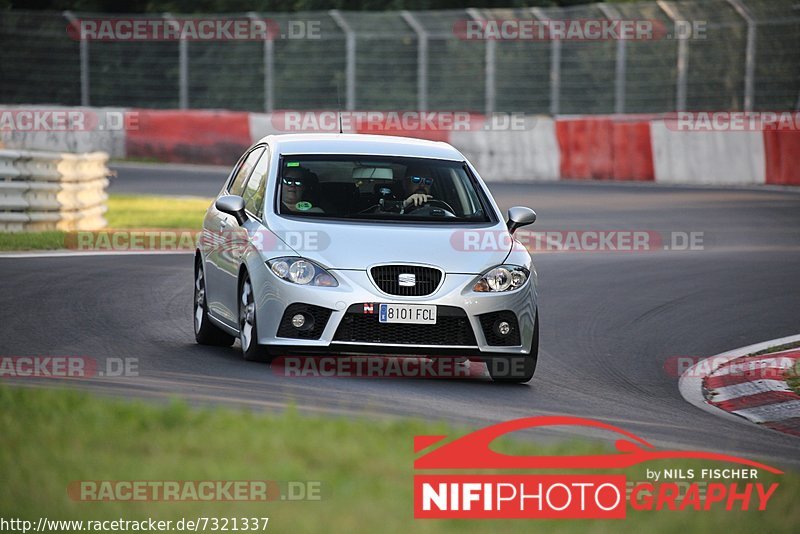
x,y
707,55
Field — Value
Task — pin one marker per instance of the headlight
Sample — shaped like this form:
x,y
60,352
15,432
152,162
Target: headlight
x,y
502,278
301,271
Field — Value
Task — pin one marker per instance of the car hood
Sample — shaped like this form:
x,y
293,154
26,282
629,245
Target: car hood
x,y
356,246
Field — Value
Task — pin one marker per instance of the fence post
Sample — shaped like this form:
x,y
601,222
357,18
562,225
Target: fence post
x,y
350,66
555,65
489,63
683,56
269,61
84,57
750,54
422,59
612,13
183,65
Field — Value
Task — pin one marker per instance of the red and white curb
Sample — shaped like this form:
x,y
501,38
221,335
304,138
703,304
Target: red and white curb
x,y
749,389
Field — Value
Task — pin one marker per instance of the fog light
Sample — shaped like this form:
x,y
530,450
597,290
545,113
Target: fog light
x,y
503,328
298,320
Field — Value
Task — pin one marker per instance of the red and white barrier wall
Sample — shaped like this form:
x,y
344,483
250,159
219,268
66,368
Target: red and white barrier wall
x,y
197,136
614,147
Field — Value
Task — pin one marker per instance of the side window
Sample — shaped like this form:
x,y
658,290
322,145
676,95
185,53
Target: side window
x,y
254,190
237,185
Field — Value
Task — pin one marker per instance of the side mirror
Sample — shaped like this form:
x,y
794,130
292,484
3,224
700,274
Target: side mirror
x,y
519,216
232,205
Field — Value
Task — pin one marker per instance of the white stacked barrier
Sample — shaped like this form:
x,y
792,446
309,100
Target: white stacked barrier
x,y
531,153
52,190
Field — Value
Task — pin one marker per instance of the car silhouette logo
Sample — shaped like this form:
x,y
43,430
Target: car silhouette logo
x,y
475,495
473,451
407,279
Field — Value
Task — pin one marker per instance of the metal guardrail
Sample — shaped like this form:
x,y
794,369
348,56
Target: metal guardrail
x,y
52,191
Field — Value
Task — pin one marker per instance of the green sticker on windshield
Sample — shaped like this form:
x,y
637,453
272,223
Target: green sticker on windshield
x,y
303,206
293,164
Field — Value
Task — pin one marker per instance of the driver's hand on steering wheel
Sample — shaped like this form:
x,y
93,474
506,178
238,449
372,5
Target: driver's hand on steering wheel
x,y
417,199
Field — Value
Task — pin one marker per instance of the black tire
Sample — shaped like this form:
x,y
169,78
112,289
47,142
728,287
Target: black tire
x,y
248,329
516,369
205,332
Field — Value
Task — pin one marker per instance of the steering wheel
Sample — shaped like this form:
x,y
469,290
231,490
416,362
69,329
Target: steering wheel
x,y
432,202
442,204
428,208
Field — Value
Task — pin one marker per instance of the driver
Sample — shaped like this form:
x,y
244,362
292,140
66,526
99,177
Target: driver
x,y
294,190
417,188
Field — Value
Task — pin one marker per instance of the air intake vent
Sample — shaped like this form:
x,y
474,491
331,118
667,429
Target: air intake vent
x,y
406,280
452,328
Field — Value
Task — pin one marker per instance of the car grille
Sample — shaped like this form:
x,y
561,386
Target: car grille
x,y
386,278
493,338
452,328
319,317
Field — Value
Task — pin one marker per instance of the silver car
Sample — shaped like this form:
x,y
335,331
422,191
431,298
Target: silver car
x,y
353,244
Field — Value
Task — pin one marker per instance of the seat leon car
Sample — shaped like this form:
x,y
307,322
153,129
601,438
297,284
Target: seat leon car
x,y
352,244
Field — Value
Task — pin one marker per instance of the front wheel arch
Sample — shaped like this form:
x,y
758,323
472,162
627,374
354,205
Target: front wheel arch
x,y
255,352
205,332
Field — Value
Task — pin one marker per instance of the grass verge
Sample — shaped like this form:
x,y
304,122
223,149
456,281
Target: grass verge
x,y
124,212
140,211
51,437
792,374
793,377
50,240
777,348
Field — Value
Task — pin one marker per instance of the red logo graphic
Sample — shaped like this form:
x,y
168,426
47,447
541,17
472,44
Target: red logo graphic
x,y
561,496
368,307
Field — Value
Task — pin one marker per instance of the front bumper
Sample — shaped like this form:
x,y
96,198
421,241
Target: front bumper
x,y
273,296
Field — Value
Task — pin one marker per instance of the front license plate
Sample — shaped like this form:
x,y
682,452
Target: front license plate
x,y
407,313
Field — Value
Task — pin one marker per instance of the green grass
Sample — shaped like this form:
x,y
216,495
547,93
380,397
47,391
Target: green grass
x,y
792,374
124,212
50,438
50,240
777,348
141,159
793,377
138,211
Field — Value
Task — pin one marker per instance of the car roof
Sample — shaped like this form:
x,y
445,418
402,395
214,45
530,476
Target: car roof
x,y
383,145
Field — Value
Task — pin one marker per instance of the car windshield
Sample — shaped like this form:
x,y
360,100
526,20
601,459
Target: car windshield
x,y
379,187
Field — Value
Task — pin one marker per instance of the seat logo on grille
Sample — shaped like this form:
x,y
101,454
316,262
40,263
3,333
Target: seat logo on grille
x,y
407,279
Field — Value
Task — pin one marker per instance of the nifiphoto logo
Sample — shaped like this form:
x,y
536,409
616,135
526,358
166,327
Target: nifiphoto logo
x,y
470,495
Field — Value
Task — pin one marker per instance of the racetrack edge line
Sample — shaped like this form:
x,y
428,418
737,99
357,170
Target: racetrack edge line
x,y
690,384
67,253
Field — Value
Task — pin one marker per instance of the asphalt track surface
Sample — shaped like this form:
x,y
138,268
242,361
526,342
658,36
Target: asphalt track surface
x,y
174,180
609,320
